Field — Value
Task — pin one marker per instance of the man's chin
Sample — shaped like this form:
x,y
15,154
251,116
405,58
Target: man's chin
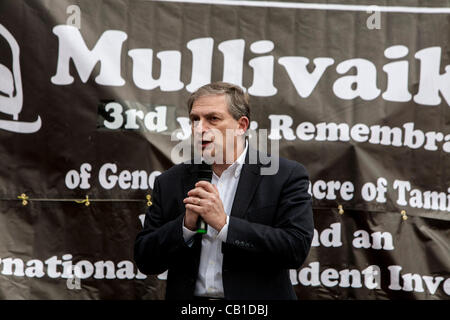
x,y
208,153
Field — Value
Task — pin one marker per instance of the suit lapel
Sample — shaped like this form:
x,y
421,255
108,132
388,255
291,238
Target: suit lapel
x,y
248,183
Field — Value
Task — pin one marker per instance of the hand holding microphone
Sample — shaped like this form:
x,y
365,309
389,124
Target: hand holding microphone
x,y
204,200
204,174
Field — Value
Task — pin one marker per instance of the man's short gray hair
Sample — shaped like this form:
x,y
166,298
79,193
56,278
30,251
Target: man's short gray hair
x,y
238,101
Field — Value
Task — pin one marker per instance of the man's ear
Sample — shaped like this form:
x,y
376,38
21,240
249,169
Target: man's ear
x,y
243,124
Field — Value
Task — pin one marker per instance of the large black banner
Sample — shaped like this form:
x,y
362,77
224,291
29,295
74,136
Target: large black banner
x,y
93,108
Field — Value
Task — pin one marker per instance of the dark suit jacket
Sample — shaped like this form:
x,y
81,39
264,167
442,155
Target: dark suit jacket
x,y
270,231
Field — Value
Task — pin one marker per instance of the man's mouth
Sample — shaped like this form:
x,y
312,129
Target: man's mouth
x,y
205,143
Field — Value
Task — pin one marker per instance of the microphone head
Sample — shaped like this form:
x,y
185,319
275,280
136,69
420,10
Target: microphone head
x,y
205,172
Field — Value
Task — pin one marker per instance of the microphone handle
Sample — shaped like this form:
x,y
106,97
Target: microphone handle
x,y
201,226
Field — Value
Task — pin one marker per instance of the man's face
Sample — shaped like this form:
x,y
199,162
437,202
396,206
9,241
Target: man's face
x,y
215,128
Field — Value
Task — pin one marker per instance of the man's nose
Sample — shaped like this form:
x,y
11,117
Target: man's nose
x,y
200,127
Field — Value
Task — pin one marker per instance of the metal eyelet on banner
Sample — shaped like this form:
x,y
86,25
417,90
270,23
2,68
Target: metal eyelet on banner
x,y
341,209
85,201
24,199
403,213
149,197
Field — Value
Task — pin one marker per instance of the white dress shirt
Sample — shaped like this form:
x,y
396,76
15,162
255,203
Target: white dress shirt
x,y
209,279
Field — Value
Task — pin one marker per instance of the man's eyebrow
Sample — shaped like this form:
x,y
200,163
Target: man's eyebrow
x,y
209,114
214,113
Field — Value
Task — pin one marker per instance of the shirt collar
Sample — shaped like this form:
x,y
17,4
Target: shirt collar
x,y
237,165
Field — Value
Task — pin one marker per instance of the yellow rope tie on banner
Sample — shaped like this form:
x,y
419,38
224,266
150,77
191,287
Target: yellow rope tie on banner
x,y
24,199
85,201
403,213
341,209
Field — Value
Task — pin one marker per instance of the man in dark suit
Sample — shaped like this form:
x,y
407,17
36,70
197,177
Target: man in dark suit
x,y
259,225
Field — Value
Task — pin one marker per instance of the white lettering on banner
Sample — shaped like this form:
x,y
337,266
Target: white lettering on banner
x,y
362,240
415,198
185,131
310,275
397,88
331,237
56,268
154,121
34,269
330,189
202,51
138,179
370,191
377,192
281,124
262,70
75,179
330,277
281,127
109,177
370,277
169,79
431,82
304,81
52,266
233,60
107,51
365,80
9,263
363,84
415,282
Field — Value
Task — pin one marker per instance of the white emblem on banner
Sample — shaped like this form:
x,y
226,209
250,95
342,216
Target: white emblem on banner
x,y
11,95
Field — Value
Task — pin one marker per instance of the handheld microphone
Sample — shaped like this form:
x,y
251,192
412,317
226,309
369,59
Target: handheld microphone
x,y
204,174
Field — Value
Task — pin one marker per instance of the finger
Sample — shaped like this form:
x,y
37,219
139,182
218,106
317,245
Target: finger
x,y
194,208
199,193
207,186
193,200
